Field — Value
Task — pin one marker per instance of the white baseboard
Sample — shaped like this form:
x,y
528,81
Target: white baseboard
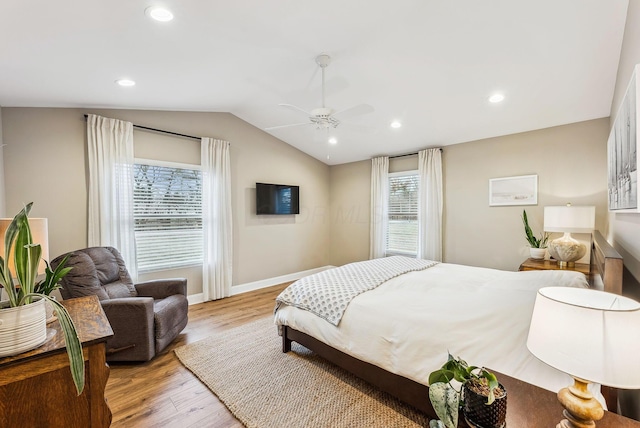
x,y
263,283
195,298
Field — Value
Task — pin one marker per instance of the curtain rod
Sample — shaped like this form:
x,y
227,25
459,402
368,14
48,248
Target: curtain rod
x,y
408,154
162,131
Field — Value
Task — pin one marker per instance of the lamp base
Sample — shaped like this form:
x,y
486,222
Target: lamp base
x,y
566,249
581,410
564,265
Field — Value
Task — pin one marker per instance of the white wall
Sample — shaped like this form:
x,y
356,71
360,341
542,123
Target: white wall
x,y
45,162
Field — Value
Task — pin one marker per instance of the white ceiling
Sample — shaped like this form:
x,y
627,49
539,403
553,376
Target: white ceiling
x,y
430,63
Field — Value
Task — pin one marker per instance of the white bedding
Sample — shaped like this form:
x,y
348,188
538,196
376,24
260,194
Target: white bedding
x,y
408,324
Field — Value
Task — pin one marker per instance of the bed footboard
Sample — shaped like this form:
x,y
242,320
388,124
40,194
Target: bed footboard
x,y
413,393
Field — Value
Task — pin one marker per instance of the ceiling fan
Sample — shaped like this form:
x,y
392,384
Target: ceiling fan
x,y
324,117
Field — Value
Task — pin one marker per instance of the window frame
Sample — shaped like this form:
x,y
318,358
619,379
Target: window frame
x,y
409,173
175,165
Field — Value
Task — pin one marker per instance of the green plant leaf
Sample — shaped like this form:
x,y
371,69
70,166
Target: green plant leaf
x,y
442,375
445,401
493,384
74,348
52,278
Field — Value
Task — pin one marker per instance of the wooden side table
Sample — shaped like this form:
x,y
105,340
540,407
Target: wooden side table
x,y
535,264
36,388
529,406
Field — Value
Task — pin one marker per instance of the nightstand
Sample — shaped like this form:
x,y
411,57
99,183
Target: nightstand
x,y
535,264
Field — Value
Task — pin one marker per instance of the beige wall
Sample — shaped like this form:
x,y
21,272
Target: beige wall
x,y
350,190
571,165
2,195
45,163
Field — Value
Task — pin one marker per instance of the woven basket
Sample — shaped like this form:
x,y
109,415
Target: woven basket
x,y
479,414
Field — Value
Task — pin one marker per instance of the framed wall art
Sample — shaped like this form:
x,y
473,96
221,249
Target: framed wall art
x,y
622,153
520,190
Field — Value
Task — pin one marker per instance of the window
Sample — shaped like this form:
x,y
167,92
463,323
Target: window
x,y
168,216
402,237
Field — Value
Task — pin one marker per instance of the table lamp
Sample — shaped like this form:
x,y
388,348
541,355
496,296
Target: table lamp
x,y
567,219
591,335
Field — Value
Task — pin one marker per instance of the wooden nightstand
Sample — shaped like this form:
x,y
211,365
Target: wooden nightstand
x,y
535,264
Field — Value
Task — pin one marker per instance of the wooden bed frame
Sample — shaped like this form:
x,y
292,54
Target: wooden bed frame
x,y
605,273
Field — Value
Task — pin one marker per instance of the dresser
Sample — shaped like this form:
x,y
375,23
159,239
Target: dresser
x,y
36,388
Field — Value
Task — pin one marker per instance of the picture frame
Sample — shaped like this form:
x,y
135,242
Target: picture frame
x,y
622,153
517,190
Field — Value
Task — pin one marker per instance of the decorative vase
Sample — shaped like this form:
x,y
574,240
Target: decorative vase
x,y
22,328
479,414
537,253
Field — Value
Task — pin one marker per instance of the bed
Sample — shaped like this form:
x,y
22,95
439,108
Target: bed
x,y
393,350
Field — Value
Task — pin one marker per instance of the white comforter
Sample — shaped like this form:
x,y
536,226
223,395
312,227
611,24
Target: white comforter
x,y
408,324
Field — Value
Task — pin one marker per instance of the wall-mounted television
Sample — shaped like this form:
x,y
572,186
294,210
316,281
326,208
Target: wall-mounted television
x,y
277,199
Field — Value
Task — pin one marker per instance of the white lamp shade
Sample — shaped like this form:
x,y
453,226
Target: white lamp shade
x,y
589,334
579,219
39,235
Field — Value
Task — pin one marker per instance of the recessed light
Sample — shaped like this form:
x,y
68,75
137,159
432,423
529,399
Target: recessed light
x,y
496,98
396,124
333,140
159,13
125,82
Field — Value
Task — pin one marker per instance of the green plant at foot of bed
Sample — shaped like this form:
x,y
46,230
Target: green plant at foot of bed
x,y
530,237
445,398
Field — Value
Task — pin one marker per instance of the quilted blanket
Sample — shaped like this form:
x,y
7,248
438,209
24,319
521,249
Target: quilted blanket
x,y
327,294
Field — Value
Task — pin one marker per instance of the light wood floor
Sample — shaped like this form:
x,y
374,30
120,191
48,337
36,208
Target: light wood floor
x,y
162,392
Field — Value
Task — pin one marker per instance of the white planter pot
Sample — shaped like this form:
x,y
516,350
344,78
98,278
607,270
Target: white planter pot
x,y
22,328
538,253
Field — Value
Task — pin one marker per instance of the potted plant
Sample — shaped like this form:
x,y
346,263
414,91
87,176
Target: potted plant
x,y
25,307
538,245
485,400
50,283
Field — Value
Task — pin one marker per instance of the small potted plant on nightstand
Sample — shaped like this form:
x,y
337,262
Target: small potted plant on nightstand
x,y
484,399
538,245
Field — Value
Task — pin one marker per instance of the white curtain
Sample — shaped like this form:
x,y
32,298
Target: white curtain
x,y
216,219
111,160
379,206
430,204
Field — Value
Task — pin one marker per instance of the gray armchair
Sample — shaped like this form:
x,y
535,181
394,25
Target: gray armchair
x,y
145,317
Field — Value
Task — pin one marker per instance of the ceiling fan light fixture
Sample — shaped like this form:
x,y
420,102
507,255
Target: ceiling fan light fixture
x,y
333,140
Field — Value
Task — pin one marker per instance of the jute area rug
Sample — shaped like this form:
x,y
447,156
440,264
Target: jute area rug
x,y
266,388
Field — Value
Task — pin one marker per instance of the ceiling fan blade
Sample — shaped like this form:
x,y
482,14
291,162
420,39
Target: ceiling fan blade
x,y
295,108
286,126
358,110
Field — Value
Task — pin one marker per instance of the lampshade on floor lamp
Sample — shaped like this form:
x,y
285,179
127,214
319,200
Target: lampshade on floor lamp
x,y
591,335
567,219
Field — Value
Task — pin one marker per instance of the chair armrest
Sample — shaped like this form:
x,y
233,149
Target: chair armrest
x,y
162,288
127,310
132,321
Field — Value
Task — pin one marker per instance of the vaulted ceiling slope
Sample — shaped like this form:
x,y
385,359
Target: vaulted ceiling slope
x,y
431,64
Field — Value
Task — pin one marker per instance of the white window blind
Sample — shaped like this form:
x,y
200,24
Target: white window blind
x,y
402,237
168,217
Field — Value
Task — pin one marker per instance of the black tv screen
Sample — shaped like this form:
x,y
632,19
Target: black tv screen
x,y
277,199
